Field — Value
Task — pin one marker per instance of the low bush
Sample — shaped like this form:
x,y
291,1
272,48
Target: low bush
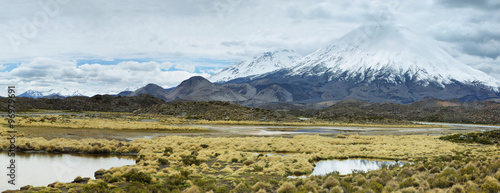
x,y
134,176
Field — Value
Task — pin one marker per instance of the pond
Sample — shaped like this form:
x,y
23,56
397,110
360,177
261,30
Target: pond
x,y
345,167
41,169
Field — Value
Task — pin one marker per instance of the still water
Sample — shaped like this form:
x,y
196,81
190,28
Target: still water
x,y
41,169
345,167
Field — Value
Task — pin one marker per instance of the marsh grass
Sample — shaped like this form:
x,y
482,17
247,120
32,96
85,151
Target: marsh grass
x,y
225,164
487,137
97,123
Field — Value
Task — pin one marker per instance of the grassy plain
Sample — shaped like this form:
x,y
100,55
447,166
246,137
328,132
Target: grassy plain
x,y
239,164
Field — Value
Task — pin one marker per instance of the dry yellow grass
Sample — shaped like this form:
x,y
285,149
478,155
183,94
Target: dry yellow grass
x,y
302,147
230,158
175,120
97,123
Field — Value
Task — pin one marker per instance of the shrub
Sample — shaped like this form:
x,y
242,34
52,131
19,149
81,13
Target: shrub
x,y
158,187
248,162
262,185
341,136
470,186
405,172
375,186
348,186
193,189
425,185
190,159
409,190
96,187
337,189
163,161
136,187
175,181
261,191
234,160
204,145
391,186
287,187
421,168
408,182
330,182
309,186
168,151
358,189
360,180
457,188
435,169
222,189
490,184
134,176
109,178
241,188
440,182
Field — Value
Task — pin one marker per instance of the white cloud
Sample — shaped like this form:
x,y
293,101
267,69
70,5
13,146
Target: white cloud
x,y
488,65
185,67
227,30
47,73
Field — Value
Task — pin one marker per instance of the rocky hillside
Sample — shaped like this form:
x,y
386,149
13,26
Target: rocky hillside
x,y
151,89
432,110
95,103
216,110
198,88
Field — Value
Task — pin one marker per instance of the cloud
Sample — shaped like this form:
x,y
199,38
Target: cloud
x,y
481,39
185,67
228,30
232,43
47,73
478,4
488,65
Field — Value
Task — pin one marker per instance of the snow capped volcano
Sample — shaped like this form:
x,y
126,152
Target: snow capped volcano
x,y
261,64
65,92
392,53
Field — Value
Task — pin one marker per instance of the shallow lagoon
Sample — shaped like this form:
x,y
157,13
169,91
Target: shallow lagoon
x,y
345,167
41,169
348,166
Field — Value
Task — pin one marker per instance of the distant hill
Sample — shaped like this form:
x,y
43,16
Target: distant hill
x,y
151,89
431,110
95,103
215,110
198,88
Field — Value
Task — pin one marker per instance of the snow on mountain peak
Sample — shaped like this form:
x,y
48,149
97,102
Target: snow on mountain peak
x,y
64,92
391,52
261,64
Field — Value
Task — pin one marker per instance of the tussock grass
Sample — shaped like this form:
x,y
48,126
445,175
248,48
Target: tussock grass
x,y
225,164
312,122
97,123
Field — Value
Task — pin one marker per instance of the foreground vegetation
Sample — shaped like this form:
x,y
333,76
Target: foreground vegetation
x,y
488,137
67,121
431,110
242,164
150,122
345,112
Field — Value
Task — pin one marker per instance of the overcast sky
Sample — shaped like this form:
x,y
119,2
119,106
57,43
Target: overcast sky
x,y
106,46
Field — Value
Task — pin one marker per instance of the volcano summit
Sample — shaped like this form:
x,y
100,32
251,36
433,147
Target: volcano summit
x,y
384,64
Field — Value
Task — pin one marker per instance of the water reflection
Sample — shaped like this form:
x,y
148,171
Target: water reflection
x,y
41,169
347,166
